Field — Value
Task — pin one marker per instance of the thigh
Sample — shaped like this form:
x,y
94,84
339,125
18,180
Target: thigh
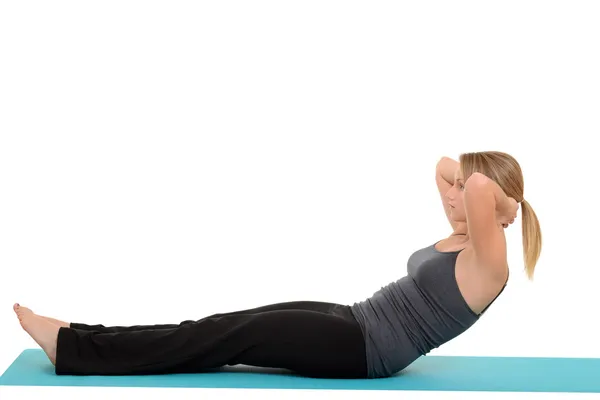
x,y
311,343
307,305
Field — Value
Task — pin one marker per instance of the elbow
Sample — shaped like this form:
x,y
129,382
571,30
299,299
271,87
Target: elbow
x,y
477,180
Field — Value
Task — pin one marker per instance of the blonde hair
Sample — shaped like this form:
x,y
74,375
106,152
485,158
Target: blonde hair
x,y
506,172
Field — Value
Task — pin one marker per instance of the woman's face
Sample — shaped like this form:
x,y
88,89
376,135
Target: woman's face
x,y
454,197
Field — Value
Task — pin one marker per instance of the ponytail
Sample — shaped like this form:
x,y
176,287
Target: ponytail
x,y
532,238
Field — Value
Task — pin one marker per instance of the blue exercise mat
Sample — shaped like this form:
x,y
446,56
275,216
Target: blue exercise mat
x,y
445,373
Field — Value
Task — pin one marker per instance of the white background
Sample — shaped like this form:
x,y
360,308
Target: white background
x,y
162,161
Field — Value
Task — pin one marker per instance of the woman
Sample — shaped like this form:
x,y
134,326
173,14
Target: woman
x,y
448,286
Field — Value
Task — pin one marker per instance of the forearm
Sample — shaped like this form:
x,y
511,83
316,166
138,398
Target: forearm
x,y
446,167
502,203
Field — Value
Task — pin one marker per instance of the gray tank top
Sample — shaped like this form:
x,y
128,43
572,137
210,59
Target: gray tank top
x,y
408,318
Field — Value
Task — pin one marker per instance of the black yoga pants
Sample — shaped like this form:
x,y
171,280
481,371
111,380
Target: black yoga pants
x,y
314,339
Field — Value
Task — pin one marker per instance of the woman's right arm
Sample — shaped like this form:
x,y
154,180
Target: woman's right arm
x,y
444,178
447,167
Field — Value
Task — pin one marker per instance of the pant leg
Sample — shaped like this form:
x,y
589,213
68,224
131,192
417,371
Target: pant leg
x,y
112,329
310,343
291,305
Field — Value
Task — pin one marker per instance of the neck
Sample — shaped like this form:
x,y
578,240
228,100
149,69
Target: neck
x,y
461,230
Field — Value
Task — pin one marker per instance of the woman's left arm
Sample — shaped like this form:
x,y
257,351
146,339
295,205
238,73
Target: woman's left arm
x,y
503,204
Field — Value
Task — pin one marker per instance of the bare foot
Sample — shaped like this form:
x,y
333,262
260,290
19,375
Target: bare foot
x,y
41,330
21,311
52,320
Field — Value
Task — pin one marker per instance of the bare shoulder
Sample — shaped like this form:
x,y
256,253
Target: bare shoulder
x,y
478,284
470,267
